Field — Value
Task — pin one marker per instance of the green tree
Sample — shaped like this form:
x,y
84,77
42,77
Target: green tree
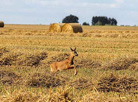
x,y
103,20
85,23
70,19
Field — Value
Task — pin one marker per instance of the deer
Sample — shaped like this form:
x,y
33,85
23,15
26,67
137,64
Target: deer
x,y
65,64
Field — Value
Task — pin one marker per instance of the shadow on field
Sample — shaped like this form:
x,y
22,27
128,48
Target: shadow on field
x,y
81,83
87,63
121,63
117,83
3,50
46,80
21,59
9,78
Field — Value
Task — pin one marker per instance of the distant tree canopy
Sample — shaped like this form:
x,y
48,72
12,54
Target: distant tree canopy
x,y
85,23
70,19
103,20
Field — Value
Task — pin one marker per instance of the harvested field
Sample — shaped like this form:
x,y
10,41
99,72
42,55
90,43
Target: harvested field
x,y
106,64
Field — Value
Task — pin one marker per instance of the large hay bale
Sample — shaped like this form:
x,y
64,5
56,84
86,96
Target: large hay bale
x,y
72,28
56,27
1,24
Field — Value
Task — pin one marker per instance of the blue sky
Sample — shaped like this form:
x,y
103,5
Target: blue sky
x,y
51,11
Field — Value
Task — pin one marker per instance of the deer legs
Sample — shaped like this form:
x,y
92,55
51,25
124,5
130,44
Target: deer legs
x,y
72,66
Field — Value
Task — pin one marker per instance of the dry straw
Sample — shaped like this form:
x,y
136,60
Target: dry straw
x,y
56,27
72,28
1,24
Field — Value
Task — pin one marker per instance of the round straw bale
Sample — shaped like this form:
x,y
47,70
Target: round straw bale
x,y
1,24
56,27
72,28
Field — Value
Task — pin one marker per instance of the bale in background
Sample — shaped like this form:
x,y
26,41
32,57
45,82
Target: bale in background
x,y
1,24
72,28
56,27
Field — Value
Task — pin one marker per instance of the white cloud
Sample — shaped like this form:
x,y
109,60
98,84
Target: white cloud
x,y
48,2
70,3
120,1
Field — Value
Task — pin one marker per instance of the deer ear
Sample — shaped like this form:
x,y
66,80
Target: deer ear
x,y
71,49
75,49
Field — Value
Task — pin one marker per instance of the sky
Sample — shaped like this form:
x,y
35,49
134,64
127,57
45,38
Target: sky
x,y
53,11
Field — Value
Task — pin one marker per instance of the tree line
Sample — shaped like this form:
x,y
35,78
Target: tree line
x,y
103,20
96,20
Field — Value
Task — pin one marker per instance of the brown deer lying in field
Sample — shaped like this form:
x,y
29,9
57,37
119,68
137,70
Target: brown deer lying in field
x,y
65,64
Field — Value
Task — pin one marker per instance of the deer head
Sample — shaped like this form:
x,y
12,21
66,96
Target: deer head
x,y
74,52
